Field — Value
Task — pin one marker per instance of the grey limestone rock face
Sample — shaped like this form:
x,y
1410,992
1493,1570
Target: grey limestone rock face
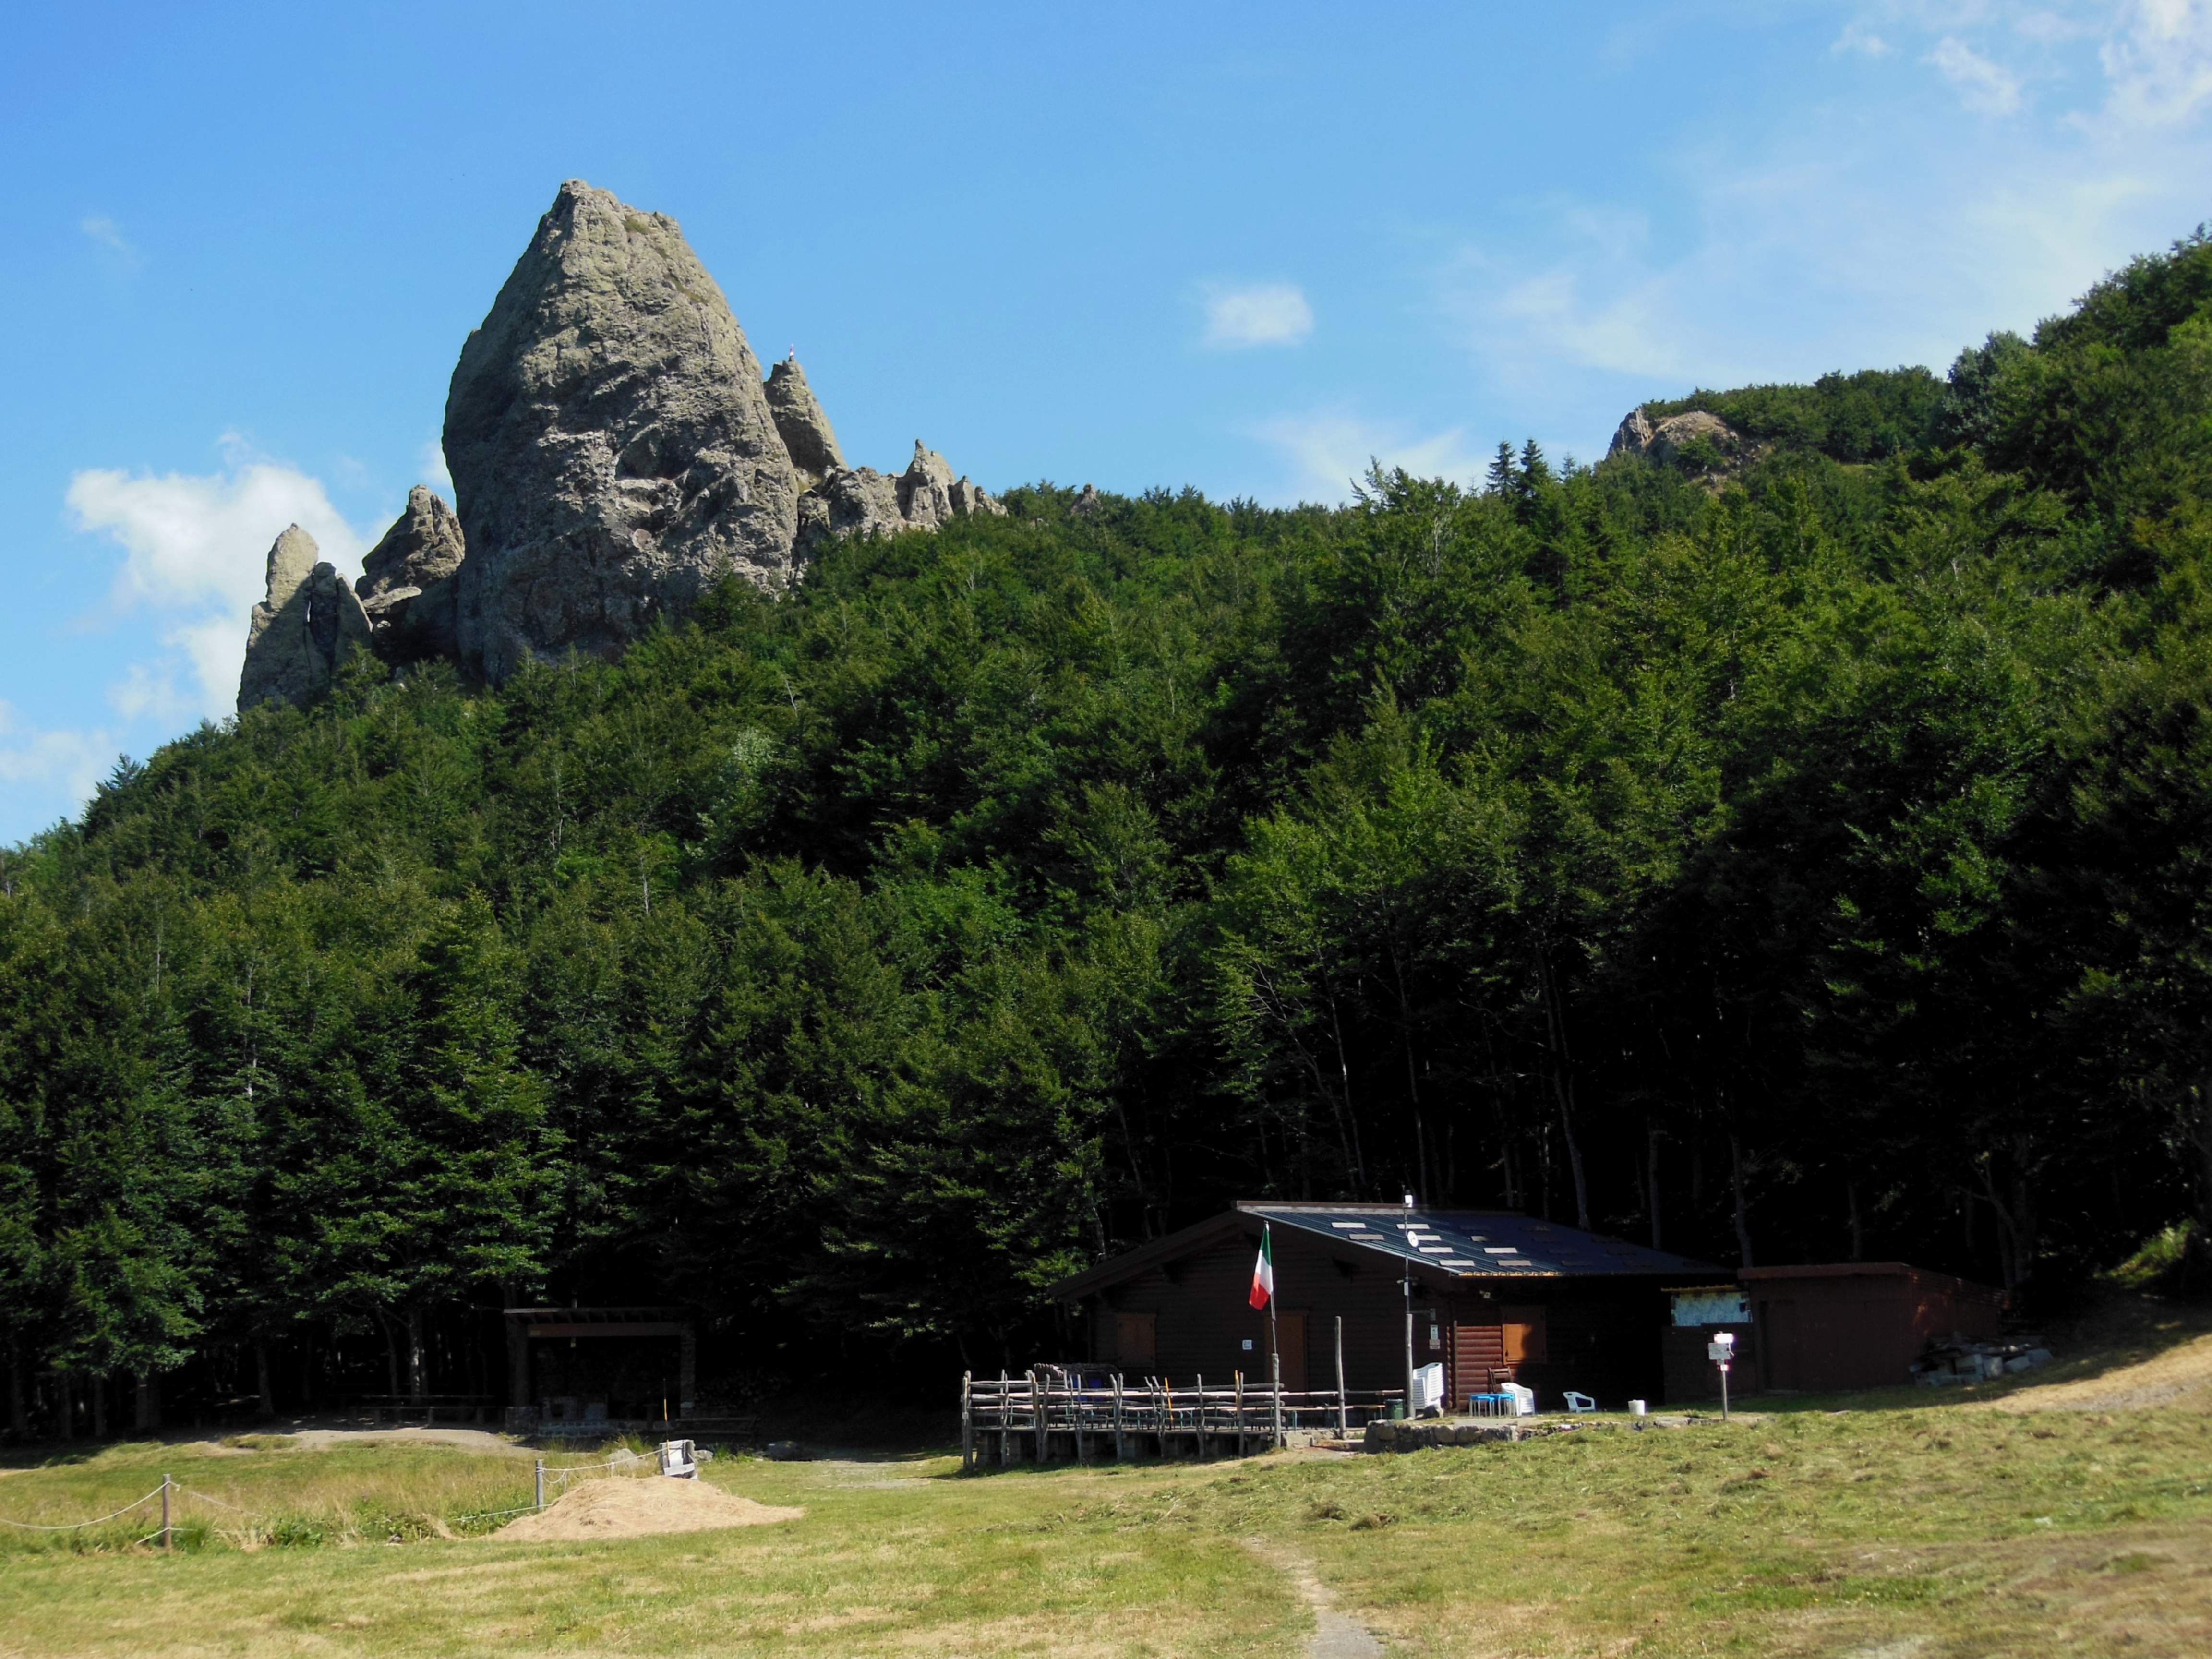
x,y
1663,441
856,501
613,452
968,498
807,437
1087,504
925,488
1634,436
1672,434
409,582
301,631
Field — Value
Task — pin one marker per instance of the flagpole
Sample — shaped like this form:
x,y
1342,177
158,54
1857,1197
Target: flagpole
x,y
1274,1348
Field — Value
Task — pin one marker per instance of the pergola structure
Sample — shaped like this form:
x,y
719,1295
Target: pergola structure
x,y
527,1325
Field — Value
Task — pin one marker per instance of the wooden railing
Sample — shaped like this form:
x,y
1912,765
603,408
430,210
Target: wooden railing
x,y
1031,1416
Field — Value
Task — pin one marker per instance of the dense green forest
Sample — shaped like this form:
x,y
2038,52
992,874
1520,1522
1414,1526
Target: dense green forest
x,y
1807,866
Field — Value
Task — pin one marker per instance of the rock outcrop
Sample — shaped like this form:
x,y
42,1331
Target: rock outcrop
x,y
611,445
615,453
925,488
300,632
1665,440
410,579
807,438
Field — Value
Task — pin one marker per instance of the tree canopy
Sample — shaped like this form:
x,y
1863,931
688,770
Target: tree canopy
x,y
1811,862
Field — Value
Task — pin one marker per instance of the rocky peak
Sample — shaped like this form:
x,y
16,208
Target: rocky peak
x,y
807,437
612,447
300,632
615,452
407,581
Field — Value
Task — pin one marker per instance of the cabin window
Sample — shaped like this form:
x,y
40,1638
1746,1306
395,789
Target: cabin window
x,y
1135,1342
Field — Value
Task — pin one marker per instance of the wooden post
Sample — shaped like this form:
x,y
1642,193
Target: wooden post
x,y
1006,1422
1075,1413
1036,1415
1121,1450
1343,1422
541,1483
967,1423
167,1538
1240,1413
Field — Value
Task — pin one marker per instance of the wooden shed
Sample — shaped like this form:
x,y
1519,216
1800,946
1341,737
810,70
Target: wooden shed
x,y
1859,1324
1497,1297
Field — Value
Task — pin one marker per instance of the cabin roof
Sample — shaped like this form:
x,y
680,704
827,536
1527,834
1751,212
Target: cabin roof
x,y
1448,1243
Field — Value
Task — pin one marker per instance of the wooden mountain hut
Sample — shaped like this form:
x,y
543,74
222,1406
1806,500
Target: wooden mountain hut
x,y
1497,1297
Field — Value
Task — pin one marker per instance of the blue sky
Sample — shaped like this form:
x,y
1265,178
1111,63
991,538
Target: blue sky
x,y
1238,246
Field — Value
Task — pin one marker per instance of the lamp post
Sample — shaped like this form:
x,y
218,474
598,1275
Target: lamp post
x,y
1405,1238
1720,1350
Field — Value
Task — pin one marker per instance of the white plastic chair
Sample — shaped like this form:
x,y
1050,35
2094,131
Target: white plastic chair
x,y
1580,1402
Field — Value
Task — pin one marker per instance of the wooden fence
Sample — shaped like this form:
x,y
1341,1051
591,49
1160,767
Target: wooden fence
x,y
1049,1413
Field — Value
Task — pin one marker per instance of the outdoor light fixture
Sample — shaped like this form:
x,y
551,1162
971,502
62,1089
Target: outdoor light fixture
x,y
1721,1351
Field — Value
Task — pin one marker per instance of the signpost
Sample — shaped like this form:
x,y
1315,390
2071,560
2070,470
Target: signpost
x,y
1721,1351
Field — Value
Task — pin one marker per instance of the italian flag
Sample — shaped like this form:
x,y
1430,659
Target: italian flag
x,y
1263,1270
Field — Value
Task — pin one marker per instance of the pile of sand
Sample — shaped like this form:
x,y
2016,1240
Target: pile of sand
x,y
638,1507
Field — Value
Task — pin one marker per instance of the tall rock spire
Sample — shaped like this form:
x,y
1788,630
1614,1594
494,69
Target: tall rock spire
x,y
806,434
299,633
611,445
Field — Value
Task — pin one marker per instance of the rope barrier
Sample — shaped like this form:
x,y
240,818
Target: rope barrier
x,y
73,1526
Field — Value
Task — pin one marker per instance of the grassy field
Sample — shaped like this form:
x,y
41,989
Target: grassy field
x,y
2071,1517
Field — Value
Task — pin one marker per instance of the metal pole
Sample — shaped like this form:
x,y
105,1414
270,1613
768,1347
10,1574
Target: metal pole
x,y
1724,1416
541,1483
1275,1367
167,1537
1343,1424
1409,1340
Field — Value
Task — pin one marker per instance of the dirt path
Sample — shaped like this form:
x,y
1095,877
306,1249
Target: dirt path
x,y
1336,1635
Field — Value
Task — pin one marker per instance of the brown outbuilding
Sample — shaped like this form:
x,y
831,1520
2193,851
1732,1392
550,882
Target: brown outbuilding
x,y
1859,1324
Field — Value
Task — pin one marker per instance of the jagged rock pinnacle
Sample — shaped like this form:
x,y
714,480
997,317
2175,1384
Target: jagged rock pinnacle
x,y
612,448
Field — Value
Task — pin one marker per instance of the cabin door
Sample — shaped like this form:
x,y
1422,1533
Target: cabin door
x,y
1291,1335
1136,1349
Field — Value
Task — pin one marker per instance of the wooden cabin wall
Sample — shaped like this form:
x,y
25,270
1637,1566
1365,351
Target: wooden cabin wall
x,y
1201,1313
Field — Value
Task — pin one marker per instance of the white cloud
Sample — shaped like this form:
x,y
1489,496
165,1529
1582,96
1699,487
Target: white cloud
x,y
103,231
1985,87
198,544
71,764
1328,450
1883,229
2160,63
1264,313
1858,37
194,538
